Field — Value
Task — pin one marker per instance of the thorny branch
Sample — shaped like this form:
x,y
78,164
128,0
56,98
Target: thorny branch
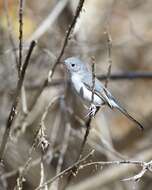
x,y
13,111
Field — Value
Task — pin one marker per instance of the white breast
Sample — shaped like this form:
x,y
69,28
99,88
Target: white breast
x,y
82,90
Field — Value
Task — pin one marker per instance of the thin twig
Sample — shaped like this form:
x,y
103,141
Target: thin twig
x,y
13,111
93,79
112,174
23,92
109,47
88,122
146,166
21,168
39,140
20,34
42,174
66,171
20,179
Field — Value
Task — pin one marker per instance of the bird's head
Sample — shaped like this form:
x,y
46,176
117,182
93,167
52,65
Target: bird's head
x,y
74,65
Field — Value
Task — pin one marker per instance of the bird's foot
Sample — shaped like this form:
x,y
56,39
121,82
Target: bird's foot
x,y
92,111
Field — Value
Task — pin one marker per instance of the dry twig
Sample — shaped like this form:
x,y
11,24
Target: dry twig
x,y
88,122
66,171
115,173
109,47
39,140
20,35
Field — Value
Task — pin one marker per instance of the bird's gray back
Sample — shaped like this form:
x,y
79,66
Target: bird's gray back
x,y
87,79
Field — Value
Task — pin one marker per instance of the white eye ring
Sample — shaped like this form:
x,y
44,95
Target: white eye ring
x,y
72,64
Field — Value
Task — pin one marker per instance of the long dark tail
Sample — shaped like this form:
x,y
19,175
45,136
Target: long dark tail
x,y
122,110
112,103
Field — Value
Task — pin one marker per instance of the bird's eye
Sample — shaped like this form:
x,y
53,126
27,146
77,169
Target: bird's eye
x,y
72,64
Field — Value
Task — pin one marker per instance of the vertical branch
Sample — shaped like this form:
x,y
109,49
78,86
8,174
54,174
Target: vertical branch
x,y
93,79
43,143
88,122
13,111
109,48
23,92
42,174
20,34
67,170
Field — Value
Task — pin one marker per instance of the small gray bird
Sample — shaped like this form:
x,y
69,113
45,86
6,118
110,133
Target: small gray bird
x,y
81,79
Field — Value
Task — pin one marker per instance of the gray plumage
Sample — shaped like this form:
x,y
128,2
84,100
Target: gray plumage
x,y
81,79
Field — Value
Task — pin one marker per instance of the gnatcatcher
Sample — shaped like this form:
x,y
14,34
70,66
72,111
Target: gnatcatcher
x,y
81,79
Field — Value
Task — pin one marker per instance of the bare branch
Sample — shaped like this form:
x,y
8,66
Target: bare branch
x,y
20,34
109,47
88,122
13,111
39,140
115,173
66,171
146,166
42,175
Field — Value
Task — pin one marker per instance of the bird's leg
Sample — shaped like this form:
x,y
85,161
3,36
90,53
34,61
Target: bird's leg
x,y
92,110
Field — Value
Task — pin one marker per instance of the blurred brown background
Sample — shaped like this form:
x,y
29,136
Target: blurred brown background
x,y
129,23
